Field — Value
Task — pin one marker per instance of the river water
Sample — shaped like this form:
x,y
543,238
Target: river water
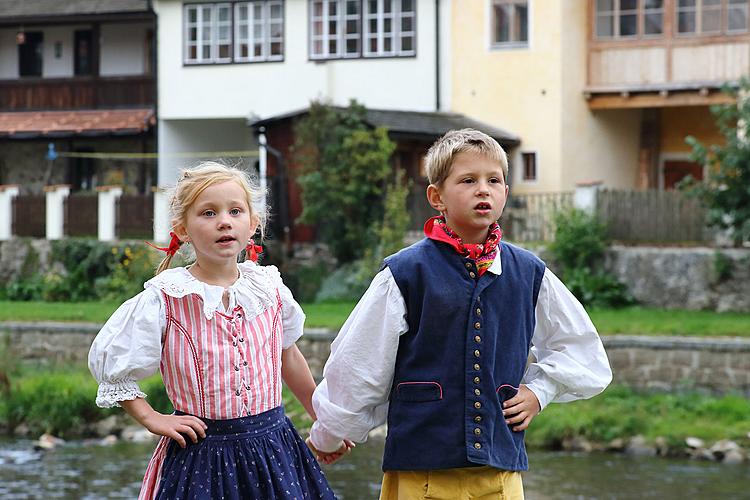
x,y
79,470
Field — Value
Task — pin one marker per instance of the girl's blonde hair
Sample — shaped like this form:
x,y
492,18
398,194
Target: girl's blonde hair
x,y
439,158
193,181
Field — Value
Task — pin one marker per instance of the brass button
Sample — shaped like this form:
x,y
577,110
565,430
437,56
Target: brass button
x,y
477,431
477,338
477,392
478,446
477,419
479,312
468,265
476,366
476,380
477,405
477,325
477,353
473,274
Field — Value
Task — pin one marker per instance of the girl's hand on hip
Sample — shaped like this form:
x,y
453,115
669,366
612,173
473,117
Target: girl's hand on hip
x,y
174,426
520,410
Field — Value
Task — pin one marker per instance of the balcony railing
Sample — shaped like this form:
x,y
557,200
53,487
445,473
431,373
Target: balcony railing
x,y
33,94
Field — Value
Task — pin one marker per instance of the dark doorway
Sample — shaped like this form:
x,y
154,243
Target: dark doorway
x,y
83,173
676,170
83,61
30,54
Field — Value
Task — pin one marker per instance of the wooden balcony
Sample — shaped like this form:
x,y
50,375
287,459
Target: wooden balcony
x,y
32,94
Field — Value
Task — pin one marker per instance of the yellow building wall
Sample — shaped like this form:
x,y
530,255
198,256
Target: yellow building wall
x,y
596,146
537,93
515,89
679,122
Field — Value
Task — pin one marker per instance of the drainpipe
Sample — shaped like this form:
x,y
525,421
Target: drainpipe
x,y
437,55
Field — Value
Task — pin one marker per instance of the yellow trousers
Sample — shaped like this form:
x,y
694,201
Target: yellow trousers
x,y
476,483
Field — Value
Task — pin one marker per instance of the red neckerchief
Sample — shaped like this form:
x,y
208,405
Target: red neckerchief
x,y
483,253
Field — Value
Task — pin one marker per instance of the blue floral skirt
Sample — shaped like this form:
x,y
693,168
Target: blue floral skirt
x,y
256,457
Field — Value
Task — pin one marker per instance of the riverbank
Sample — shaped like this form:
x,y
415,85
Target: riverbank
x,y
686,423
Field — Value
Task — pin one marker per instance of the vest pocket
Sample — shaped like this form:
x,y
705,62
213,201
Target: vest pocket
x,y
419,391
505,392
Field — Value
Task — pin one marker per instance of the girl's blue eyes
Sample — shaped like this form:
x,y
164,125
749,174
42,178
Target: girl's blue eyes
x,y
211,213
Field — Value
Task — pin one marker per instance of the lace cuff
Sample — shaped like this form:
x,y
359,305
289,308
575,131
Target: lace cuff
x,y
110,394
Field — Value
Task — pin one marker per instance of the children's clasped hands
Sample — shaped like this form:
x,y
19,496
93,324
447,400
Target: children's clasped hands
x,y
328,458
521,409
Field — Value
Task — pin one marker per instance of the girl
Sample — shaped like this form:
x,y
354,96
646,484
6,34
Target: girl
x,y
223,336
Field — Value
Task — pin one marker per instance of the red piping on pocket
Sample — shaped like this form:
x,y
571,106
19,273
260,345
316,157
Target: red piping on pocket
x,y
508,385
437,384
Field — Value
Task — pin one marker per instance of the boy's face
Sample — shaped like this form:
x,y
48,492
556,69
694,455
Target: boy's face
x,y
472,196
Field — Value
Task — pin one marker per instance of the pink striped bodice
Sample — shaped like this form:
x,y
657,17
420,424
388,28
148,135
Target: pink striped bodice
x,y
228,366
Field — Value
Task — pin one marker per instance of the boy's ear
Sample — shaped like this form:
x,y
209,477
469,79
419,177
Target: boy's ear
x,y
434,198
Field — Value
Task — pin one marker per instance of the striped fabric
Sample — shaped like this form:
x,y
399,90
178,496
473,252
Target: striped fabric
x,y
225,367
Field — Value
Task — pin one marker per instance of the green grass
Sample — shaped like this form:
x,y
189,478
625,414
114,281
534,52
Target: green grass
x,y
622,412
631,320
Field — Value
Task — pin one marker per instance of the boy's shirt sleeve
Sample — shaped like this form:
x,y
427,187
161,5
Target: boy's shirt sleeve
x,y
570,361
128,348
353,397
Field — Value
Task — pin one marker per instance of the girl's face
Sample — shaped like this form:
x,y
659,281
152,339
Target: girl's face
x,y
219,224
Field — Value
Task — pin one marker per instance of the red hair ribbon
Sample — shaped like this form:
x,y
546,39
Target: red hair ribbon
x,y
253,251
174,245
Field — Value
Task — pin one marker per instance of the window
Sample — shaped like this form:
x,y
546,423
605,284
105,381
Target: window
x,y
30,53
711,16
628,18
258,31
338,28
83,53
239,32
529,166
510,23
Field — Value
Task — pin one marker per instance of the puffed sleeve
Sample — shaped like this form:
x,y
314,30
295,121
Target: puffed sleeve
x,y
292,315
352,399
128,348
570,359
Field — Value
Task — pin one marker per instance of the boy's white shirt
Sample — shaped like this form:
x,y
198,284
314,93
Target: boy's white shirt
x,y
352,399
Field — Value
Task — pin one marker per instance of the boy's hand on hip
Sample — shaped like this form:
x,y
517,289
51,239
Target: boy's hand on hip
x,y
519,410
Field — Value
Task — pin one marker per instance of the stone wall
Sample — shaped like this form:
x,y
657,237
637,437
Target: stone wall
x,y
715,366
684,278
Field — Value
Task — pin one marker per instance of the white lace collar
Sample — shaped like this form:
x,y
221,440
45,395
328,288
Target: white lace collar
x,y
254,290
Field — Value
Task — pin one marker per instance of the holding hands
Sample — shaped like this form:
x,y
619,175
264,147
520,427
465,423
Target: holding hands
x,y
328,458
521,409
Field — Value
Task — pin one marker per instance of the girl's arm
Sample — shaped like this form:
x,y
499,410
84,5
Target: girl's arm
x,y
297,376
171,426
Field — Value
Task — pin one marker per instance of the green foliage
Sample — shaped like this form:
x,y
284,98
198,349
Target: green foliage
x,y
725,191
305,281
624,412
86,269
578,253
723,267
344,167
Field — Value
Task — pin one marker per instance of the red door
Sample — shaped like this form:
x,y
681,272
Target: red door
x,y
676,170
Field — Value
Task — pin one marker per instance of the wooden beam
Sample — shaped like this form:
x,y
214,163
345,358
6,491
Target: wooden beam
x,y
656,100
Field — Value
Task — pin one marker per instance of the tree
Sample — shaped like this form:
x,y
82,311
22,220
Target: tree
x,y
345,164
726,191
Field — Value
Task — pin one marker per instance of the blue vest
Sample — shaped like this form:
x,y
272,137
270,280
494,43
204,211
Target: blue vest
x,y
464,354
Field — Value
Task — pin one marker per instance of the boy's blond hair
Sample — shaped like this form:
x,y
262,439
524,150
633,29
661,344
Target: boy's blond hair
x,y
193,181
439,159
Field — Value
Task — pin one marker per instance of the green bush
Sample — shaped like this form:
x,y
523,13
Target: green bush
x,y
305,281
131,267
578,256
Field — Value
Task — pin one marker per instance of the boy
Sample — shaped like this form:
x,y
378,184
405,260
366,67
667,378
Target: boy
x,y
439,343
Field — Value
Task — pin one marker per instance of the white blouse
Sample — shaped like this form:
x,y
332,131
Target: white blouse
x,y
128,347
570,361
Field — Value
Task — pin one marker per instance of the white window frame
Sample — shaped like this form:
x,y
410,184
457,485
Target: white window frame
x,y
264,22
212,41
396,17
320,43
511,44
742,6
